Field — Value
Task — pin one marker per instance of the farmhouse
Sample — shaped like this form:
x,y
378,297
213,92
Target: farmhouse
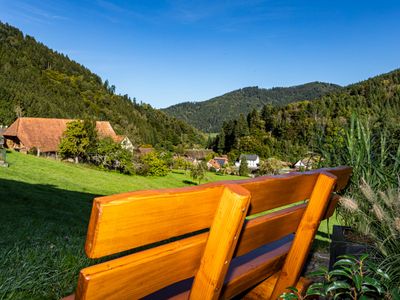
x,y
45,134
253,161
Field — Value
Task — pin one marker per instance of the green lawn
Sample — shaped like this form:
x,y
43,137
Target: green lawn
x,y
45,207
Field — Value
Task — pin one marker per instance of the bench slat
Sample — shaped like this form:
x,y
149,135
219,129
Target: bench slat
x,y
137,275
305,234
125,221
269,228
244,272
269,192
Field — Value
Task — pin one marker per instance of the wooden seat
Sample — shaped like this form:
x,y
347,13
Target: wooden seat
x,y
197,242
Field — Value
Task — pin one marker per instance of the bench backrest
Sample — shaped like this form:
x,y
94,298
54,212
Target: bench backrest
x,y
195,232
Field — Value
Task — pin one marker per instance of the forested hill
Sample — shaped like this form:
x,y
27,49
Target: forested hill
x,y
36,81
319,126
209,115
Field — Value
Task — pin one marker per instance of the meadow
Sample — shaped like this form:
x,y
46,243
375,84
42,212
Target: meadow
x,y
45,208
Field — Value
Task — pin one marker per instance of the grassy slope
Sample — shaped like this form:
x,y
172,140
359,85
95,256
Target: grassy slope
x,y
45,207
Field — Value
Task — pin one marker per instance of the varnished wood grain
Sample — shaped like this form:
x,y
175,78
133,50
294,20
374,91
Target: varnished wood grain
x,y
221,242
269,192
125,221
305,234
264,289
129,220
268,228
331,206
248,270
343,174
136,275
158,267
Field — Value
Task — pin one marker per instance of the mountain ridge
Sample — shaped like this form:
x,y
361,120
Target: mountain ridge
x,y
320,126
209,115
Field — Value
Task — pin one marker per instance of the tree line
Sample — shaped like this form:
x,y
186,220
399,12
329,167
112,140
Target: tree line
x,y
36,81
319,126
209,115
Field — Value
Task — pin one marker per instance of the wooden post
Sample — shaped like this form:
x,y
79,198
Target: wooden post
x,y
305,234
221,243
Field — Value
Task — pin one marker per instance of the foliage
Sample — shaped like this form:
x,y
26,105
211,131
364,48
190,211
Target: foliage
x,y
373,152
111,155
198,171
180,163
210,115
243,167
36,81
270,166
321,126
153,165
75,141
351,278
372,202
377,215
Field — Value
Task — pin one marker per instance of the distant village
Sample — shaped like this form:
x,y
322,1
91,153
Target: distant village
x,y
42,137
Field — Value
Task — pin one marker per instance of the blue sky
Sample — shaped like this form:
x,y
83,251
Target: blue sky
x,y
165,52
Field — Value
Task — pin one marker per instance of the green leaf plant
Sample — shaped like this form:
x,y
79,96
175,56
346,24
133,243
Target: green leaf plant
x,y
351,278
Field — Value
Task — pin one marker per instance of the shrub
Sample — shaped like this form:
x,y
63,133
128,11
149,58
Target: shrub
x,y
153,165
271,166
111,155
180,163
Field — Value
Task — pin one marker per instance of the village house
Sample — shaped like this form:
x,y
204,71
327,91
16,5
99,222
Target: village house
x,y
222,160
44,134
212,164
217,162
253,161
195,155
311,161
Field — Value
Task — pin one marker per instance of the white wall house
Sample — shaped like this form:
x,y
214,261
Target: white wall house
x,y
253,161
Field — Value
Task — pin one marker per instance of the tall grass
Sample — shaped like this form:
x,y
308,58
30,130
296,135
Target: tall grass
x,y
372,203
373,154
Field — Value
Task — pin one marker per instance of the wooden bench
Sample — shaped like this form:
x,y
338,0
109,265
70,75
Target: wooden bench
x,y
247,238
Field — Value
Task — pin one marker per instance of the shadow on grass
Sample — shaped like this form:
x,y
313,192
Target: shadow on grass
x,y
43,230
189,182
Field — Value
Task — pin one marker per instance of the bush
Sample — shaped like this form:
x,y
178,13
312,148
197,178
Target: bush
x,y
271,166
153,165
112,156
180,163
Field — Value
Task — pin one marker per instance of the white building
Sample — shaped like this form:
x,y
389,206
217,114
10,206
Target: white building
x,y
253,161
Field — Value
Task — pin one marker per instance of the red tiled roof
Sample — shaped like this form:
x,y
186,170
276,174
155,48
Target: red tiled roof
x,y
45,134
213,163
